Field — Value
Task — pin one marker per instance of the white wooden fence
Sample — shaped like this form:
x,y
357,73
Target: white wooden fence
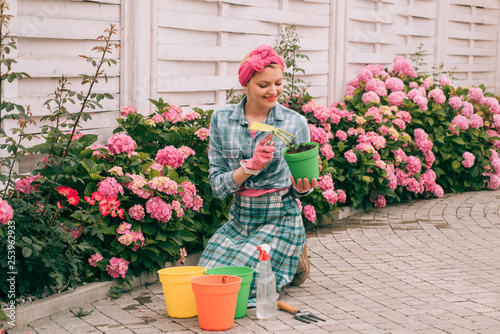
x,y
188,51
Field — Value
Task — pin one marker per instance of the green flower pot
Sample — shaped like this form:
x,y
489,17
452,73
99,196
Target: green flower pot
x,y
304,164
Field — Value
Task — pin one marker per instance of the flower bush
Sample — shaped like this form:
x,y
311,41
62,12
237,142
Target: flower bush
x,y
398,136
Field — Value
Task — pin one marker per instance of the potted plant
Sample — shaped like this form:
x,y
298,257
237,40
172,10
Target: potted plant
x,y
302,159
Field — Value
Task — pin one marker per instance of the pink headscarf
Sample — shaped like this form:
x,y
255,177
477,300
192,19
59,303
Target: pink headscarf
x,y
259,58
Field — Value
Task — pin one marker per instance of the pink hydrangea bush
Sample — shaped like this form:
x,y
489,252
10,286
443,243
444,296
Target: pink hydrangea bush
x,y
399,135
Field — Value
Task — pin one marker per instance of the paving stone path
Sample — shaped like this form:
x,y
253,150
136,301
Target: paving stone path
x,y
430,266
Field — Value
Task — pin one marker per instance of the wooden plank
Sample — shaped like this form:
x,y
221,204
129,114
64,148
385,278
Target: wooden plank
x,y
300,6
46,86
465,51
462,34
56,67
44,47
188,98
478,3
104,119
189,6
469,18
280,16
313,67
206,53
69,10
318,1
60,28
164,4
312,32
479,67
371,36
371,58
425,10
313,44
170,19
196,83
37,107
184,68
408,30
187,37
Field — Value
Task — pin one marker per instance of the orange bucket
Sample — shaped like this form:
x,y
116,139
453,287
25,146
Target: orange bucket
x,y
216,297
176,284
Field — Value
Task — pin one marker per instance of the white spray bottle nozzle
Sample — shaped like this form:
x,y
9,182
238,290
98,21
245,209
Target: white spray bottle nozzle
x,y
264,252
264,247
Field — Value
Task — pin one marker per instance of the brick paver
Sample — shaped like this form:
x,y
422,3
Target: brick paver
x,y
429,266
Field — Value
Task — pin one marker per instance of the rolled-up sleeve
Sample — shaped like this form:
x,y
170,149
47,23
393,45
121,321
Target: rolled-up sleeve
x,y
220,177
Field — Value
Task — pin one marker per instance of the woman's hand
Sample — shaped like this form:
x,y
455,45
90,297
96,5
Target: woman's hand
x,y
263,154
303,185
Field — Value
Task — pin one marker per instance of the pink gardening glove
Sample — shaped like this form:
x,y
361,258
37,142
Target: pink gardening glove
x,y
262,155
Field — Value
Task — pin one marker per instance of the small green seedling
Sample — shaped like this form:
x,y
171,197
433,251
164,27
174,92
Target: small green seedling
x,y
82,313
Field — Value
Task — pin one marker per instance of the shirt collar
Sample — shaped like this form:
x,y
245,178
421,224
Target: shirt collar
x,y
276,113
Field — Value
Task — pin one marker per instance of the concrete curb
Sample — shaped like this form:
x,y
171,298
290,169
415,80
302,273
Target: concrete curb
x,y
82,295
93,292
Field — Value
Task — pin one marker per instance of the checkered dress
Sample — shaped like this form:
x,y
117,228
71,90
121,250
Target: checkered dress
x,y
273,219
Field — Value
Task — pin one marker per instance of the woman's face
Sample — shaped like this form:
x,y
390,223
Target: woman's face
x,y
264,88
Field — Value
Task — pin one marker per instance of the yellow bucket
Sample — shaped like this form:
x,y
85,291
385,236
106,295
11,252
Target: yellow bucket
x,y
179,296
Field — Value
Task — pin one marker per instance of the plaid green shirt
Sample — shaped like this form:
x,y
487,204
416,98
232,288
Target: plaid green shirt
x,y
231,142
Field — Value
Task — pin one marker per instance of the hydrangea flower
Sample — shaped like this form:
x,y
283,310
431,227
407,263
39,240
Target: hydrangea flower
x,y
118,171
325,182
468,161
437,95
202,133
94,259
331,196
396,98
24,185
475,121
137,212
170,156
182,255
117,267
327,151
310,213
350,156
163,184
455,102
394,84
158,209
109,187
299,202
6,212
191,116
370,97
341,135
476,95
461,121
123,228
127,110
121,143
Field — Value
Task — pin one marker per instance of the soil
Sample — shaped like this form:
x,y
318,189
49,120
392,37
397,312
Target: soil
x,y
300,148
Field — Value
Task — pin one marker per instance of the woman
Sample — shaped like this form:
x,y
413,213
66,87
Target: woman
x,y
251,166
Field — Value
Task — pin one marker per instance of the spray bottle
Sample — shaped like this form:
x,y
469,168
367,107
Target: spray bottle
x,y
266,285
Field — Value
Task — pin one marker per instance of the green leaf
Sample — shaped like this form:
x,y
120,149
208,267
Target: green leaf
x,y
456,164
89,189
168,247
87,164
3,316
457,140
27,240
27,252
